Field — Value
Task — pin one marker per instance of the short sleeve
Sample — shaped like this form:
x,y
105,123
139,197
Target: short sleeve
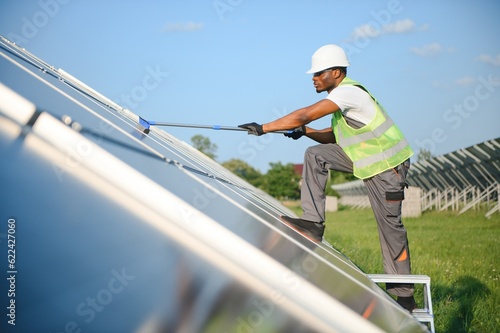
x,y
354,103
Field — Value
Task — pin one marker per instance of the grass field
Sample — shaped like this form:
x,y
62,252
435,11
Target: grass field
x,y
461,254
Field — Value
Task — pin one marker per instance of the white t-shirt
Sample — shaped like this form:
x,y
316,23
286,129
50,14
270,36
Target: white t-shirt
x,y
354,102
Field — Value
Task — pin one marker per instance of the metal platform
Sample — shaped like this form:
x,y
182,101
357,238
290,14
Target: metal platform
x,y
425,314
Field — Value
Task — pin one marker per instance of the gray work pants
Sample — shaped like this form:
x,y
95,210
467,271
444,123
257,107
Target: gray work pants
x,y
386,193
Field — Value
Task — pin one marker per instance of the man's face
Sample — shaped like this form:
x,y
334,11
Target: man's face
x,y
325,80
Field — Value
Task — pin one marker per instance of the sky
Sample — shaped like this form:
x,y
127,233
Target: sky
x,y
433,65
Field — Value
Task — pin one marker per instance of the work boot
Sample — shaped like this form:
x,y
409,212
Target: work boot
x,y
408,303
312,230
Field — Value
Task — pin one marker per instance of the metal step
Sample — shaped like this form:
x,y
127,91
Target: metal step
x,y
424,315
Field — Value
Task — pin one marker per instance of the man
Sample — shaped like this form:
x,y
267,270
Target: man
x,y
362,140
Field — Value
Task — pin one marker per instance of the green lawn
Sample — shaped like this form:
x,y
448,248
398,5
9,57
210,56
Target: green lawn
x,y
461,254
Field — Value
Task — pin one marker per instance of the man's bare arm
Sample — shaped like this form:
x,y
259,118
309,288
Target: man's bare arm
x,y
301,116
322,136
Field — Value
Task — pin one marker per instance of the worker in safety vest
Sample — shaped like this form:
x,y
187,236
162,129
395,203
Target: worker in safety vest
x,y
362,140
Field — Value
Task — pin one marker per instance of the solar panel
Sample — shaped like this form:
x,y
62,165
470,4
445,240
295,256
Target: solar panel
x,y
121,231
476,166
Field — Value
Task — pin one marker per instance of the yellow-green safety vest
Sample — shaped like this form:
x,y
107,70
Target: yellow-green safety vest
x,y
376,147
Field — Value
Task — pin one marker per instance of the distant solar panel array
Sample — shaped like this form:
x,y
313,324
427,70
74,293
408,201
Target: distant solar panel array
x,y
460,180
118,230
475,166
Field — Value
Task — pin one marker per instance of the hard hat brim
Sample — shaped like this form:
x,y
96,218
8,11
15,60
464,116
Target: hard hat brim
x,y
319,69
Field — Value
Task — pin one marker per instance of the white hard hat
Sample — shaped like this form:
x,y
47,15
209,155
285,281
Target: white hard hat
x,y
328,56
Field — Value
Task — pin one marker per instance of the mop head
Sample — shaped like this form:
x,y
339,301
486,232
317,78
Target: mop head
x,y
143,126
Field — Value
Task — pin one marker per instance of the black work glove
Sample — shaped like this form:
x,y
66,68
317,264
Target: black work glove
x,y
253,128
296,133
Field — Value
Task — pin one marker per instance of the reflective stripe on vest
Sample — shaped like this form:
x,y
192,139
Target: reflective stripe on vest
x,y
378,131
375,147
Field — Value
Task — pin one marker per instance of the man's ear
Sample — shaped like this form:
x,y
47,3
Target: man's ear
x,y
338,73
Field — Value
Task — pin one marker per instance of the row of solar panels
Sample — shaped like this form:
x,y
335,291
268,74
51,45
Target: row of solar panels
x,y
476,166
121,231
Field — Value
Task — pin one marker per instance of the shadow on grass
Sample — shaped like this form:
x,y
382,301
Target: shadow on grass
x,y
456,303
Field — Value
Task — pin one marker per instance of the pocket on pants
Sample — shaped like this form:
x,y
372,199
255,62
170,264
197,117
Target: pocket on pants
x,y
394,200
395,196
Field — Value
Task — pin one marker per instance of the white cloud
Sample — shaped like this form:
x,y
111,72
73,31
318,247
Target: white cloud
x,y
365,30
466,81
490,60
429,50
399,27
373,29
182,27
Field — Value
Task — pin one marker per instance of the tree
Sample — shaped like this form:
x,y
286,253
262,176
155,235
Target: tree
x,y
282,182
204,145
339,177
244,170
424,154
